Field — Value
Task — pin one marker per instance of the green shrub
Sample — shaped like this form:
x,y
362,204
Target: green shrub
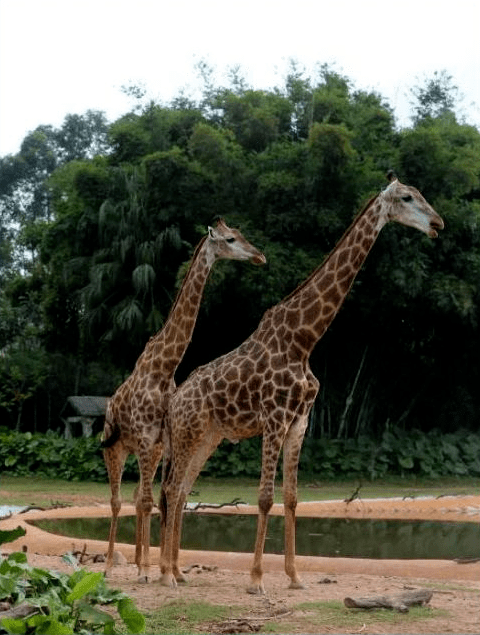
x,y
52,456
60,603
430,454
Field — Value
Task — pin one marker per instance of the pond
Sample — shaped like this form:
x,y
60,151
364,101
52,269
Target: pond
x,y
6,510
333,537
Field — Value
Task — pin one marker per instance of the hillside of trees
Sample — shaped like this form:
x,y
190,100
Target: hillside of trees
x,y
99,219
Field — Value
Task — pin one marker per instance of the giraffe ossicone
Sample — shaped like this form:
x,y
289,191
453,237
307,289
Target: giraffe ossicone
x,y
266,387
134,417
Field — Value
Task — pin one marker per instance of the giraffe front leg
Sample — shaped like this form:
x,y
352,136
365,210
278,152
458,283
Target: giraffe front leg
x,y
256,586
270,451
291,457
290,566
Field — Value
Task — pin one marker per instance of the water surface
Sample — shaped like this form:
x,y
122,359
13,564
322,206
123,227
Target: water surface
x,y
356,538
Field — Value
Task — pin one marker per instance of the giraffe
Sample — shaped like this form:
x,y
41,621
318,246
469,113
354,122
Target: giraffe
x,y
266,387
135,412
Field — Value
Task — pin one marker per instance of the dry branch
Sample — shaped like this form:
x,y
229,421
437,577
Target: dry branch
x,y
234,503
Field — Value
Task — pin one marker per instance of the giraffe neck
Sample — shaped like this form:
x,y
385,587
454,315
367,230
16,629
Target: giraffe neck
x,y
296,324
165,350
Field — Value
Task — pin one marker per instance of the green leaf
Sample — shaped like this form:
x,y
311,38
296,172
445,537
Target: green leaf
x,y
46,625
91,614
84,586
18,557
7,586
15,627
133,619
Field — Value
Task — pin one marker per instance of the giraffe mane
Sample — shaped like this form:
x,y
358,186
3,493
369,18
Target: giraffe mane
x,y
194,255
326,259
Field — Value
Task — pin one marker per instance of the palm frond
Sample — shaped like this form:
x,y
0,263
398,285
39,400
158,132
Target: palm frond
x,y
129,316
143,278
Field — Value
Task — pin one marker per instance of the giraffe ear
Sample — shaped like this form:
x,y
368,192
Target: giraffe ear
x,y
211,233
391,176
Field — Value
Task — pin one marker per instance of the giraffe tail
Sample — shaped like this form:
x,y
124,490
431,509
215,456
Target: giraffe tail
x,y
111,435
166,467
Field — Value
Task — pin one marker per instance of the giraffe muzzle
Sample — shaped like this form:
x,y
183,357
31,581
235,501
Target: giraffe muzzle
x,y
258,260
436,225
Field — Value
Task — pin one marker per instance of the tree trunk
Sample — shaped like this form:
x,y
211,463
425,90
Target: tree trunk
x,y
349,400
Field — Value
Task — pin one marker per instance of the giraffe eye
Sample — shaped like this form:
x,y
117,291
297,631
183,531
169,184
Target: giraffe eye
x,y
407,199
230,240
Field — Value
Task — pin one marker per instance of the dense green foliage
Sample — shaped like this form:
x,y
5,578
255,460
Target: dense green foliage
x,y
98,222
62,604
394,453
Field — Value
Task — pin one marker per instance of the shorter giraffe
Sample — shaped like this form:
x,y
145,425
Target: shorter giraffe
x,y
266,387
135,413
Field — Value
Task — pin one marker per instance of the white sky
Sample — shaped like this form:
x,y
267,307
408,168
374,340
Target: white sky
x,y
68,56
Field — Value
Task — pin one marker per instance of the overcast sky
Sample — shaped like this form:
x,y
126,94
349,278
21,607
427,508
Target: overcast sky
x,y
68,56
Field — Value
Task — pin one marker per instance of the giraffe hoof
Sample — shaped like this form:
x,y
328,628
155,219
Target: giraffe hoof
x,y
296,584
181,579
256,589
142,579
167,579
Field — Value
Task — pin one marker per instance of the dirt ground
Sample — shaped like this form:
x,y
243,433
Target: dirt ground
x,y
221,578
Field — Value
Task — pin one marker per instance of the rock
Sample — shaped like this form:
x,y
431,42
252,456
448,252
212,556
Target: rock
x,y
119,559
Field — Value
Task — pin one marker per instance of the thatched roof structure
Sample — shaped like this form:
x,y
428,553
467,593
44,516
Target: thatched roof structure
x,y
85,407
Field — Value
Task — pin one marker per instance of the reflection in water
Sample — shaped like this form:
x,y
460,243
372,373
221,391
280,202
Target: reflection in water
x,y
359,538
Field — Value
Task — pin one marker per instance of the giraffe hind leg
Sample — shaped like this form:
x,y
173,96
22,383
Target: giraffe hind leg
x,y
179,481
114,457
144,505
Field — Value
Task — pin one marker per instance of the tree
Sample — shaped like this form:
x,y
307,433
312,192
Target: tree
x,y
441,157
24,196
257,118
436,97
105,238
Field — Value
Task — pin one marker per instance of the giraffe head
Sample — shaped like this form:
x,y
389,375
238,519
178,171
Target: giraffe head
x,y
404,204
228,243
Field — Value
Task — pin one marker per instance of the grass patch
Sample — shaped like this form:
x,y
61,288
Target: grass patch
x,y
336,616
197,617
187,617
39,491
448,587
22,490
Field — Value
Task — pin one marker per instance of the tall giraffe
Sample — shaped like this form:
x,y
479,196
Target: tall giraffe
x,y
266,387
135,412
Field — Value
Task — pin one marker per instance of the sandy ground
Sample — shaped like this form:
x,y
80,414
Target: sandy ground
x,y
221,578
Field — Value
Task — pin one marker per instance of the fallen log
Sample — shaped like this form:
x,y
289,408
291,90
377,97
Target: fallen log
x,y
400,602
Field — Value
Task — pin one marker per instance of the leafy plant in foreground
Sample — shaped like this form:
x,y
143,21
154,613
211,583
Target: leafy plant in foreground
x,y
60,603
